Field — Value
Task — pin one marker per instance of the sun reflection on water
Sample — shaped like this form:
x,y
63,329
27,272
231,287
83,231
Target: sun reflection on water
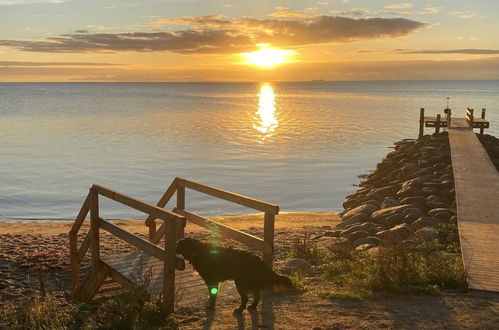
x,y
266,119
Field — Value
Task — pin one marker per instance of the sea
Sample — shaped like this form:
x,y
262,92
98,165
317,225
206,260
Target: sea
x,y
300,145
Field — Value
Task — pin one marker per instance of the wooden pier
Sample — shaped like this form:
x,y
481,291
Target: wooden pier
x,y
155,268
477,196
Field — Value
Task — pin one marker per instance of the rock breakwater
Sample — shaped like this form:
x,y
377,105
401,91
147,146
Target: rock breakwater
x,y
406,200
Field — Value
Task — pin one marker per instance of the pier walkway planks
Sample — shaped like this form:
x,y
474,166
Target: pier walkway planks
x,y
477,195
147,271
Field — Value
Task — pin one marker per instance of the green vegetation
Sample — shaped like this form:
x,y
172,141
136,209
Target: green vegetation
x,y
308,250
395,269
429,267
131,310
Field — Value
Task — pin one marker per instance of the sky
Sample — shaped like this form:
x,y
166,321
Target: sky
x,y
206,40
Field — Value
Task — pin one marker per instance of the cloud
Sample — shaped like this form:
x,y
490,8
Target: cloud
x,y
462,14
428,10
288,14
311,8
352,12
470,51
24,2
401,5
46,64
215,34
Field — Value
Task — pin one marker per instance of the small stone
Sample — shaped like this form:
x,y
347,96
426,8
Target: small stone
x,y
296,265
427,234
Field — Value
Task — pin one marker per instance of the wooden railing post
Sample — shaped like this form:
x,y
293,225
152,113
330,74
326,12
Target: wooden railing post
x,y
181,206
94,228
268,237
421,123
151,224
437,124
75,264
448,112
483,117
169,266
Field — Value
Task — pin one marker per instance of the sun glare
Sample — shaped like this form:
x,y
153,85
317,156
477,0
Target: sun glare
x,y
267,57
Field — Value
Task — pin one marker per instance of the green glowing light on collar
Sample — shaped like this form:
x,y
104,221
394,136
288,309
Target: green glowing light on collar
x,y
213,291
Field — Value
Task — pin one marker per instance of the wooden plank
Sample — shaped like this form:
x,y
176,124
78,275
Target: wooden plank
x,y
477,195
268,237
421,123
134,240
84,247
137,204
75,264
159,233
190,289
122,280
230,196
138,242
94,280
169,267
85,208
181,206
170,191
94,229
245,238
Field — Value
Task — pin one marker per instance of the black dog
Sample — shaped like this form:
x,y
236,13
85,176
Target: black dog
x,y
216,264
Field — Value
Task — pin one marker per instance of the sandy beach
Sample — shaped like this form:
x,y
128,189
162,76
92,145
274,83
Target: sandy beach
x,y
25,246
21,243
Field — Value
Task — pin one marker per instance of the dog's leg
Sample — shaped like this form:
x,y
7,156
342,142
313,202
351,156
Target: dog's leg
x,y
213,293
256,299
243,292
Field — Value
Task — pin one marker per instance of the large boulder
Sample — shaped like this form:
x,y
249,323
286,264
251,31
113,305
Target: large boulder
x,y
366,209
372,240
395,234
381,215
352,237
361,217
370,227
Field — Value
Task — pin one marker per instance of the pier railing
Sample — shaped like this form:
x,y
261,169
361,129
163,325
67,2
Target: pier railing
x,y
172,224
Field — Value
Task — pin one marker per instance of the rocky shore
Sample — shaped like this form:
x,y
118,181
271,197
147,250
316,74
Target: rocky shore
x,y
409,198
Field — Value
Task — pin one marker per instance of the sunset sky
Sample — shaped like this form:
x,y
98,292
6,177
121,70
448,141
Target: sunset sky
x,y
193,40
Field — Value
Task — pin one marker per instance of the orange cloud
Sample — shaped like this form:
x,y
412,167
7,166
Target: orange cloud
x,y
216,34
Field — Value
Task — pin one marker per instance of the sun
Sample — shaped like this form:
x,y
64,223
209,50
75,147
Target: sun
x,y
267,57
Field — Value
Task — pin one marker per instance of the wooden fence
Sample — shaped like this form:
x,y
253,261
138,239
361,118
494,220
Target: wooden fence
x,y
172,225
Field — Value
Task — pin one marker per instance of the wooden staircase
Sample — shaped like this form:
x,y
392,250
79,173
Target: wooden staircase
x,y
153,267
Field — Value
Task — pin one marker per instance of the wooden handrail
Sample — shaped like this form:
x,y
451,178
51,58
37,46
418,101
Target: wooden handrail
x,y
85,208
172,227
229,196
138,242
245,238
161,203
77,255
152,210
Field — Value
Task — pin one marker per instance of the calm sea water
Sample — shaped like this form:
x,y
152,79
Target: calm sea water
x,y
299,145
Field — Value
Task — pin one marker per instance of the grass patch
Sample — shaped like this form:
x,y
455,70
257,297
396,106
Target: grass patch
x,y
308,250
395,269
130,310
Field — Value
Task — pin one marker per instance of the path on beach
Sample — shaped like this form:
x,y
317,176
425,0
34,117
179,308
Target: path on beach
x,y
477,196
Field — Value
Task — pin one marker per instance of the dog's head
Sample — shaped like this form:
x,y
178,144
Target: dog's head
x,y
187,247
